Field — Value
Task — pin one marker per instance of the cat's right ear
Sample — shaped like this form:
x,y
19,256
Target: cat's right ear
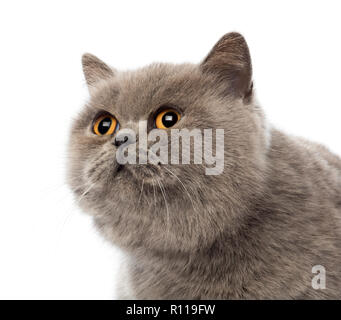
x,y
230,61
95,70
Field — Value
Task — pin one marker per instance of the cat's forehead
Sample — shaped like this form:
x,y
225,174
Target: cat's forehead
x,y
134,94
155,76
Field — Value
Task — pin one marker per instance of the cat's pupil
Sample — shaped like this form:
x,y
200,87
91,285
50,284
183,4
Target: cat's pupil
x,y
104,126
169,119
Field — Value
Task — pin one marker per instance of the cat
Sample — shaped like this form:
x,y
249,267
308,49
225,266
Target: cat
x,y
255,231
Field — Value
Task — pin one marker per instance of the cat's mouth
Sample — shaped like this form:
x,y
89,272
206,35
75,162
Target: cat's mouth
x,y
147,172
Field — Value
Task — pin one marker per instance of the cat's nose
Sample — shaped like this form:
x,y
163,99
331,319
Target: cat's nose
x,y
123,137
120,140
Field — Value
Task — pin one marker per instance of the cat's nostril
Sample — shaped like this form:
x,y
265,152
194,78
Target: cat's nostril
x,y
120,140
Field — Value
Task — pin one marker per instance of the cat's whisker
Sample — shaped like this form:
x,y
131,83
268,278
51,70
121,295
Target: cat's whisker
x,y
166,204
85,192
141,192
153,181
186,190
67,219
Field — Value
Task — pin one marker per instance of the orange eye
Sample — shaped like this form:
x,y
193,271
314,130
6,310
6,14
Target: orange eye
x,y
105,125
167,119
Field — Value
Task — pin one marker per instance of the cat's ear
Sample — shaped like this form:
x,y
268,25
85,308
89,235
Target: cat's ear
x,y
95,70
230,61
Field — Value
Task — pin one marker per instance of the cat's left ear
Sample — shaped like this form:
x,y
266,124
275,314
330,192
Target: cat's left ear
x,y
95,70
230,61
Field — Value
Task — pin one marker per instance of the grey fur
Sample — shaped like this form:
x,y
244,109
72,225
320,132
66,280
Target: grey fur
x,y
253,232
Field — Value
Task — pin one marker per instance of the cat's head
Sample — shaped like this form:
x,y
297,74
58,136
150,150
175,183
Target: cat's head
x,y
178,207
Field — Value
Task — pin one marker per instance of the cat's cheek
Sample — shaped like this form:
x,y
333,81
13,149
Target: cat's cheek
x,y
99,169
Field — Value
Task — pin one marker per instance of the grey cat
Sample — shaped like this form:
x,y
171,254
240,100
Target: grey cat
x,y
253,232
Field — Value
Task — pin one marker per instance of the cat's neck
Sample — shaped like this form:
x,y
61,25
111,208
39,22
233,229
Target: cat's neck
x,y
179,272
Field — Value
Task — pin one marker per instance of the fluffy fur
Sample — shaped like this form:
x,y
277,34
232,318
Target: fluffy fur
x,y
253,232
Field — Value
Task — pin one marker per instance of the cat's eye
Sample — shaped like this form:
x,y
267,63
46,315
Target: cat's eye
x,y
105,125
167,118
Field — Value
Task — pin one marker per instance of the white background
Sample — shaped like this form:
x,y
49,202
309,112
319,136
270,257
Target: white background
x,y
48,248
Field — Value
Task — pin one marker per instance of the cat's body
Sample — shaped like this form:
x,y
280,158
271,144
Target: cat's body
x,y
294,225
255,231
